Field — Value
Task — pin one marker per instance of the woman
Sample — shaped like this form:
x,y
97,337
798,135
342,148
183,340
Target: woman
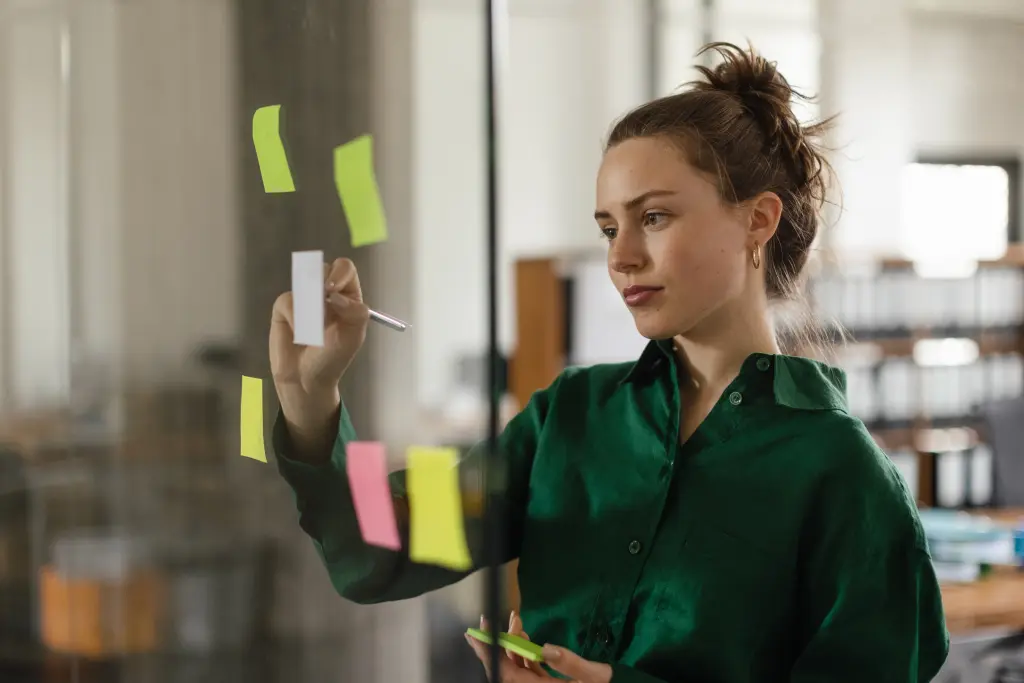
x,y
710,512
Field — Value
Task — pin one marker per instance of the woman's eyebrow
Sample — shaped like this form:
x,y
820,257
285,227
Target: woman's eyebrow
x,y
635,202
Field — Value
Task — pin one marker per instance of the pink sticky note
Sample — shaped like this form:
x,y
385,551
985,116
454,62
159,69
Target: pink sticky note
x,y
366,463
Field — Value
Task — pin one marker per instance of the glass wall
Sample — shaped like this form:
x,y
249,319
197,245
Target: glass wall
x,y
141,252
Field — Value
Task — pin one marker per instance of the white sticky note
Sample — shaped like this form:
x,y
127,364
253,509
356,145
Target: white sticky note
x,y
308,297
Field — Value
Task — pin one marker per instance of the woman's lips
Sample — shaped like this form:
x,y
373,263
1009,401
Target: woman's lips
x,y
637,295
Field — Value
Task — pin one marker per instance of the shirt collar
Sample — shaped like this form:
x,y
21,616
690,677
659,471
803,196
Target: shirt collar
x,y
652,360
798,383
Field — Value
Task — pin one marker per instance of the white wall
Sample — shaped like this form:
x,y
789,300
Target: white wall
x,y
179,198
967,92
120,222
866,75
35,217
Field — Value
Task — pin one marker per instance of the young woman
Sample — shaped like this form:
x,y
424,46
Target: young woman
x,y
708,513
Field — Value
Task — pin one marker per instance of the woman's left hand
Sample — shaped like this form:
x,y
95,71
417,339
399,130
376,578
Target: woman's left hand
x,y
558,658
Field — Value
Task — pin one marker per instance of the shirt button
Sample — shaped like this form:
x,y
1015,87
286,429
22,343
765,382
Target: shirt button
x,y
735,398
634,547
604,637
763,364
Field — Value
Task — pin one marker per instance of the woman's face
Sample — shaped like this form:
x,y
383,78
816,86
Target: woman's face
x,y
676,252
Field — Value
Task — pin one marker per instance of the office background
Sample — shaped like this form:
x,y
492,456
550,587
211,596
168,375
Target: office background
x,y
139,258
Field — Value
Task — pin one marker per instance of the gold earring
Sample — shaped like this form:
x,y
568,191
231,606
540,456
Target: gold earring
x,y
755,256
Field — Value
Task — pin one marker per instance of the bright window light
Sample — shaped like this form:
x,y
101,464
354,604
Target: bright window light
x,y
949,268
945,352
954,215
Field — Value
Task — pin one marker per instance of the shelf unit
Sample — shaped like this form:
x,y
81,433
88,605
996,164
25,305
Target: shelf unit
x,y
985,310
543,303
925,355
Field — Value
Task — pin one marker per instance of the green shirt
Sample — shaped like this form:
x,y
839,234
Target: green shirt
x,y
777,544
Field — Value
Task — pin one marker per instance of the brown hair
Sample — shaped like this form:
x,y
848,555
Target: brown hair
x,y
737,125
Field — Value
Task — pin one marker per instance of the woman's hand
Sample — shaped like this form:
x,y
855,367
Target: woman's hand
x,y
515,669
307,377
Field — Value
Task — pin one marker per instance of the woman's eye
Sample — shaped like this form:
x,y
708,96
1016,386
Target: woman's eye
x,y
652,218
609,233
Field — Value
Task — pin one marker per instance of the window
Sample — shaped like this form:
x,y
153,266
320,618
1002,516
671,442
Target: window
x,y
957,211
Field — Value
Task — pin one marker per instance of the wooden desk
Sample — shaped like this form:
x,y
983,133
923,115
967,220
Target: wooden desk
x,y
996,601
993,602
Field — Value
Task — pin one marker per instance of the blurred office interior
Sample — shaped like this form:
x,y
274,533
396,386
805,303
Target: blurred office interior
x,y
140,256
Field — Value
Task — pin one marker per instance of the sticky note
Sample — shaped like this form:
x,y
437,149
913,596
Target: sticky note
x,y
366,464
437,531
308,297
266,136
252,419
357,188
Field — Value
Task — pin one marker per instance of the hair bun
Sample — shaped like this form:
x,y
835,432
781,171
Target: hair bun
x,y
766,96
745,73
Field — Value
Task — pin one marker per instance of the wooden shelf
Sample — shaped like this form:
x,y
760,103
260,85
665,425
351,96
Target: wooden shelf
x,y
1014,258
989,343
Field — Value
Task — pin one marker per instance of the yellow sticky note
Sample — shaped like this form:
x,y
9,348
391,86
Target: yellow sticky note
x,y
437,534
357,188
252,419
266,136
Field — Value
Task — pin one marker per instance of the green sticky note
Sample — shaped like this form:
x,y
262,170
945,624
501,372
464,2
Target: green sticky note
x,y
266,136
515,644
357,188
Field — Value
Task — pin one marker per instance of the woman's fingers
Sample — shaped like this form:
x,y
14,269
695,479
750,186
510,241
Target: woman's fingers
x,y
343,278
283,359
508,673
515,627
480,650
344,296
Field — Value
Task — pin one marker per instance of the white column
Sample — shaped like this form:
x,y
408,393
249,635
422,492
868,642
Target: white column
x,y
96,227
573,66
680,39
783,31
866,79
393,280
448,189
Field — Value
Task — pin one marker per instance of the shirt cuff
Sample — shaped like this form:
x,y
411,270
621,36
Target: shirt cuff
x,y
627,674
302,475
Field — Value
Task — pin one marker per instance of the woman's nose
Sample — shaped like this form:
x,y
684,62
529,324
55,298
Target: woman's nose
x,y
626,254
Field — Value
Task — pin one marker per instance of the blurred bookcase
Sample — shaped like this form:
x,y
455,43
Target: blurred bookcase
x,y
924,352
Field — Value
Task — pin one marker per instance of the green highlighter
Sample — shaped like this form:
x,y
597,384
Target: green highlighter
x,y
520,646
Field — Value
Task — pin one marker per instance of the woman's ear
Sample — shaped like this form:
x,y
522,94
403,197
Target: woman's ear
x,y
765,214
